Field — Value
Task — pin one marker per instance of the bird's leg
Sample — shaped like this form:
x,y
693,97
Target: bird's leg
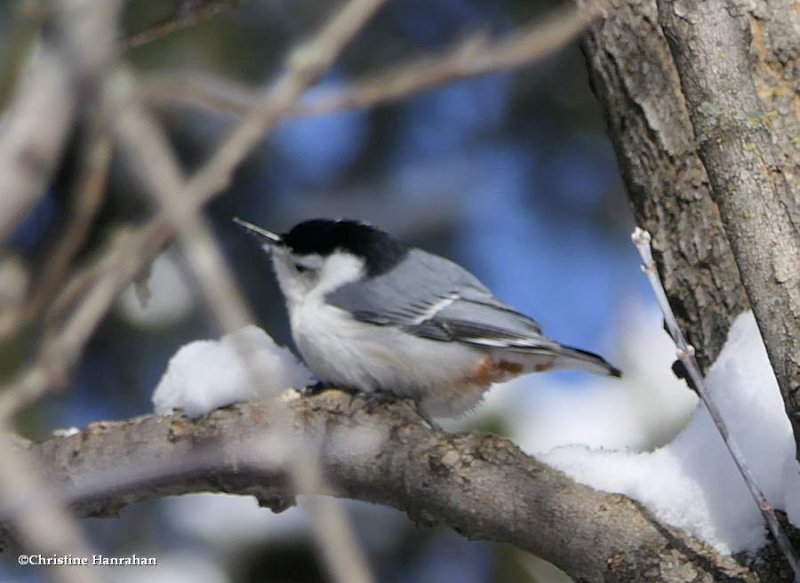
x,y
427,418
380,397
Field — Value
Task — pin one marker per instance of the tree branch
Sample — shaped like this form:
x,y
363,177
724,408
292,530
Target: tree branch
x,y
87,196
474,56
73,48
187,13
481,485
34,129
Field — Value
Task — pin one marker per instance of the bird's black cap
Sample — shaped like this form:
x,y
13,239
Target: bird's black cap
x,y
380,250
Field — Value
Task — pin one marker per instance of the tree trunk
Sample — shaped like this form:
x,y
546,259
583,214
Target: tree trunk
x,y
702,104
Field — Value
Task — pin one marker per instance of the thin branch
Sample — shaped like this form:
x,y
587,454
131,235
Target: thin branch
x,y
157,165
474,56
187,13
305,65
641,239
87,197
32,133
481,485
333,533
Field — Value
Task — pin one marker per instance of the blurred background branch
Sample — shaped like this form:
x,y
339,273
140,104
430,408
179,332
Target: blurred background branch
x,y
187,13
476,55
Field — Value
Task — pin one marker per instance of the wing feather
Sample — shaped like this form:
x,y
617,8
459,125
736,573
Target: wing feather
x,y
434,298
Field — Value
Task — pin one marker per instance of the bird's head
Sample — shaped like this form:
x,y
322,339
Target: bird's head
x,y
320,255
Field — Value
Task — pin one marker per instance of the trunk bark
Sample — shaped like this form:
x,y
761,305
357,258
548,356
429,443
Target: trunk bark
x,y
702,102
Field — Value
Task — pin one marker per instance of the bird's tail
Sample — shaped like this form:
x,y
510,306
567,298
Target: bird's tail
x,y
575,358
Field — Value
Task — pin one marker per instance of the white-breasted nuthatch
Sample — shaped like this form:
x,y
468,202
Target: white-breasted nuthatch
x,y
370,313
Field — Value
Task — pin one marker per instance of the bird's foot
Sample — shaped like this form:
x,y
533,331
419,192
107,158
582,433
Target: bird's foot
x,y
313,389
384,397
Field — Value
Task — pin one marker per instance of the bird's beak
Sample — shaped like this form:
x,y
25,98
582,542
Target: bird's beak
x,y
264,236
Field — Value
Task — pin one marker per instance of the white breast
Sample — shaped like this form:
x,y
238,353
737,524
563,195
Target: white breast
x,y
366,357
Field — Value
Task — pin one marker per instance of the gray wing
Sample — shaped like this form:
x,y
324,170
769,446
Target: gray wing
x,y
434,298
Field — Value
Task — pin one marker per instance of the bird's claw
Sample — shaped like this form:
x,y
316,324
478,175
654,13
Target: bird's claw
x,y
313,389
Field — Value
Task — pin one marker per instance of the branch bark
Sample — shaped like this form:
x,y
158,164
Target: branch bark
x,y
481,485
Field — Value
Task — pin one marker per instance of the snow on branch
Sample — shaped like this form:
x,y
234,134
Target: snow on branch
x,y
735,387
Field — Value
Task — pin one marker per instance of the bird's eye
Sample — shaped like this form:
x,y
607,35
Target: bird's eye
x,y
300,268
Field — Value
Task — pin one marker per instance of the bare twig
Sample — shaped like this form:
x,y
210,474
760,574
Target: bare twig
x,y
332,530
472,57
32,132
685,353
62,351
304,66
158,167
187,13
87,197
476,55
